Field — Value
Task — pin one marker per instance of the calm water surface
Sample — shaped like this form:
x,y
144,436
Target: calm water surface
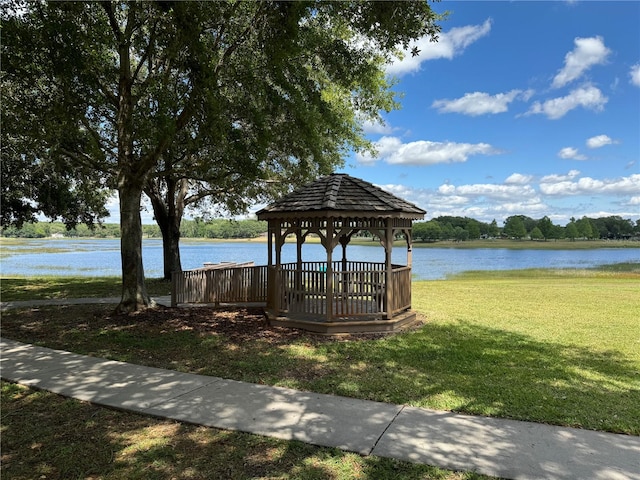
x,y
101,257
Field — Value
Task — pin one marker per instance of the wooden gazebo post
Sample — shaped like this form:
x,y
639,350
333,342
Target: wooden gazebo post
x,y
329,249
388,279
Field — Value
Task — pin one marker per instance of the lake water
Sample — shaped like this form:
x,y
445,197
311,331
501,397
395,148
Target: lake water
x,y
101,257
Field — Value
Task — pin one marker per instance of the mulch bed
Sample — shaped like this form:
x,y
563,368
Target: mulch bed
x,y
236,324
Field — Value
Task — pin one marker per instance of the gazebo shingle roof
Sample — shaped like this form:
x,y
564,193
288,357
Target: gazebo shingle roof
x,y
343,195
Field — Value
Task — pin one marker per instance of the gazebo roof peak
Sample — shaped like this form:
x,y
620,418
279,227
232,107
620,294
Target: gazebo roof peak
x,y
339,194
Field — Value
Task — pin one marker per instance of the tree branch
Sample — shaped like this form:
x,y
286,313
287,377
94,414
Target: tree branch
x,y
113,22
84,159
234,46
147,52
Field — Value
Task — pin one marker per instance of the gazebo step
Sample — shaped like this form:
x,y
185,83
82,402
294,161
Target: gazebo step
x,y
346,326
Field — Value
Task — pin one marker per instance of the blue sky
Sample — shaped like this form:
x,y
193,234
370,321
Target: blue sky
x,y
521,108
528,108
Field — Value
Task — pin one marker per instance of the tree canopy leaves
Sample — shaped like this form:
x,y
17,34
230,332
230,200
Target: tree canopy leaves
x,y
231,97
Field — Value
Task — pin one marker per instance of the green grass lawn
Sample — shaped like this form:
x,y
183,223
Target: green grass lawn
x,y
52,287
560,347
552,346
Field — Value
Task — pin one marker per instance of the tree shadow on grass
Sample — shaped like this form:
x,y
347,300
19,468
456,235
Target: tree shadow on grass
x,y
478,370
46,435
457,366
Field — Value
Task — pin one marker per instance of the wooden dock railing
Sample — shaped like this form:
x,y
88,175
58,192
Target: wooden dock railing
x,y
224,284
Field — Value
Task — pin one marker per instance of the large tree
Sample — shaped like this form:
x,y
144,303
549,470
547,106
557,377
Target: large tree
x,y
185,98
36,186
292,124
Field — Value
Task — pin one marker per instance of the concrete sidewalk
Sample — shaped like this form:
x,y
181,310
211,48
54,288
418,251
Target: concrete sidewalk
x,y
492,446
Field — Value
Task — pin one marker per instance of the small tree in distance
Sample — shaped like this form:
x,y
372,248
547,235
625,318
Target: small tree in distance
x,y
514,227
536,234
571,231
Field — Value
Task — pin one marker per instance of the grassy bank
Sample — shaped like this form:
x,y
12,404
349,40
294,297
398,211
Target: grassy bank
x,y
54,245
36,288
531,244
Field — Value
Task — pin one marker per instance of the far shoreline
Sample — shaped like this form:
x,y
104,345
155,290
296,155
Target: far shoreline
x,y
467,244
508,244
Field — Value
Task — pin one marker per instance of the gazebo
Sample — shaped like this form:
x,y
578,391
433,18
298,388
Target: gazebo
x,y
339,295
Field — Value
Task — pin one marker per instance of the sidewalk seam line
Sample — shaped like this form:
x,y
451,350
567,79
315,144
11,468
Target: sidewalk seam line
x,y
385,430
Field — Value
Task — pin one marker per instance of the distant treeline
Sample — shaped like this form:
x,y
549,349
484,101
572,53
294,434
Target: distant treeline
x,y
521,227
219,228
440,228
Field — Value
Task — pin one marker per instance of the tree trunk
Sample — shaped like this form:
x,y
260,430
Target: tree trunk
x,y
170,229
171,252
134,291
168,209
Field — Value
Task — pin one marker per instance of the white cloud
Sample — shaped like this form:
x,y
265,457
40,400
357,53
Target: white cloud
x,y
587,53
533,207
523,194
418,196
634,73
495,191
489,190
480,103
399,190
571,153
393,151
385,147
599,141
486,202
518,179
376,128
610,213
449,45
588,97
590,186
560,178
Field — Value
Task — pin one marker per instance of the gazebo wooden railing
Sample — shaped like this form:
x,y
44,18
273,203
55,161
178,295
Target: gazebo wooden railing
x,y
358,290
